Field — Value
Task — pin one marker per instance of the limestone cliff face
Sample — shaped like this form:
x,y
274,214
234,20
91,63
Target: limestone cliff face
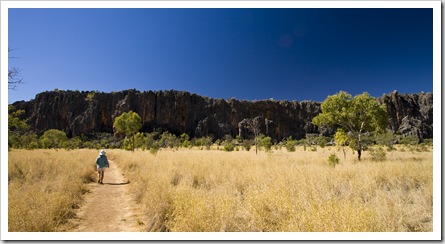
x,y
411,114
79,113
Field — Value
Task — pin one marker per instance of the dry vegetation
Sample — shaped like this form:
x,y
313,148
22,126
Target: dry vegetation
x,y
194,190
45,186
200,190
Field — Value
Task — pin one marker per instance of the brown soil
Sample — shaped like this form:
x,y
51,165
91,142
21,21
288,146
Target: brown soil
x,y
107,207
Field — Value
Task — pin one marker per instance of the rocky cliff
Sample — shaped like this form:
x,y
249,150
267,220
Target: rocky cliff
x,y
79,113
410,114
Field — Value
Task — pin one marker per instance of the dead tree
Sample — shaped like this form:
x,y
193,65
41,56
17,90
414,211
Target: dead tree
x,y
14,77
254,126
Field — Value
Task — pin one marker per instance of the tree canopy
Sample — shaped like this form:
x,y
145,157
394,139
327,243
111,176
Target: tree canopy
x,y
356,115
128,124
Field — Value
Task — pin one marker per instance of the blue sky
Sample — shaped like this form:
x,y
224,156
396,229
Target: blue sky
x,y
252,54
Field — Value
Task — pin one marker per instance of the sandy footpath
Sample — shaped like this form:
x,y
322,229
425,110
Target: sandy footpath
x,y
107,207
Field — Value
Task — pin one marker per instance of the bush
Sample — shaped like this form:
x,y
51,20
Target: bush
x,y
154,150
185,140
169,140
378,154
53,138
422,148
290,144
202,142
322,141
228,146
333,160
247,144
409,140
266,142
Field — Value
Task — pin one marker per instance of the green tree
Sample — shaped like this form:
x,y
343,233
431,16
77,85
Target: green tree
x,y
357,115
16,127
128,124
53,138
14,121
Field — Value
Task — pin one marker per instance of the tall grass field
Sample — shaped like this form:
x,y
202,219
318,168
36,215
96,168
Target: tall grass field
x,y
195,190
46,186
210,190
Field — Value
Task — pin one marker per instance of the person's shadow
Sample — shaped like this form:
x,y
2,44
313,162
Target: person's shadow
x,y
118,184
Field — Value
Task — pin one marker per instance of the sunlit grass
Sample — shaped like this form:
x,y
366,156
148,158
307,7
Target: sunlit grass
x,y
45,186
199,190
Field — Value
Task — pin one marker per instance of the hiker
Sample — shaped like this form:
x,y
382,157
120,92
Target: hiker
x,y
101,163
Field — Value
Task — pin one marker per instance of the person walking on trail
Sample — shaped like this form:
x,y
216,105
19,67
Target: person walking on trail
x,y
101,163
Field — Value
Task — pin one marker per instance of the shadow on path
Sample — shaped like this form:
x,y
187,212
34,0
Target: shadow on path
x,y
117,184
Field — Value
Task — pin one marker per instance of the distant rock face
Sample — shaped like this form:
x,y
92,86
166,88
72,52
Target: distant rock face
x,y
410,114
79,113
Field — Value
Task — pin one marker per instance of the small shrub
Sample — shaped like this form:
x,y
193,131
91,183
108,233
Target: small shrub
x,y
333,160
228,147
266,143
409,140
218,142
322,141
290,144
378,154
422,148
154,150
247,144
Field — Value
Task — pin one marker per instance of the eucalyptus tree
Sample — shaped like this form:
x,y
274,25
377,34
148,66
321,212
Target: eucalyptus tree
x,y
355,115
129,124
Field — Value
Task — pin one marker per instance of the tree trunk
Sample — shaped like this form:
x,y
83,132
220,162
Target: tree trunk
x,y
359,150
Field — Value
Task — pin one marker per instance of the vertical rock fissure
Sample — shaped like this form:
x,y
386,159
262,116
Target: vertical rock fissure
x,y
156,107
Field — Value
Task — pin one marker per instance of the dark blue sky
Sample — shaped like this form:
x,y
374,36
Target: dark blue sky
x,y
285,54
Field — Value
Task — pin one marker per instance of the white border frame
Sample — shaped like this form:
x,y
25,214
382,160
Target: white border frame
x,y
435,235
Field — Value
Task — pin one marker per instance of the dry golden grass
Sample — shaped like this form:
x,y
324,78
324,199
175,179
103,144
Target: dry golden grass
x,y
45,186
199,190
195,190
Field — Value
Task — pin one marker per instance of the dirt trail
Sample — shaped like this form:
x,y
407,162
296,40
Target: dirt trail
x,y
108,207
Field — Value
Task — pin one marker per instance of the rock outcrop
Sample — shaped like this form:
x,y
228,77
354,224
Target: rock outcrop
x,y
79,113
410,114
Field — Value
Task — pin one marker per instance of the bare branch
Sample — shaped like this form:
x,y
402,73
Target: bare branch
x,y
14,77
